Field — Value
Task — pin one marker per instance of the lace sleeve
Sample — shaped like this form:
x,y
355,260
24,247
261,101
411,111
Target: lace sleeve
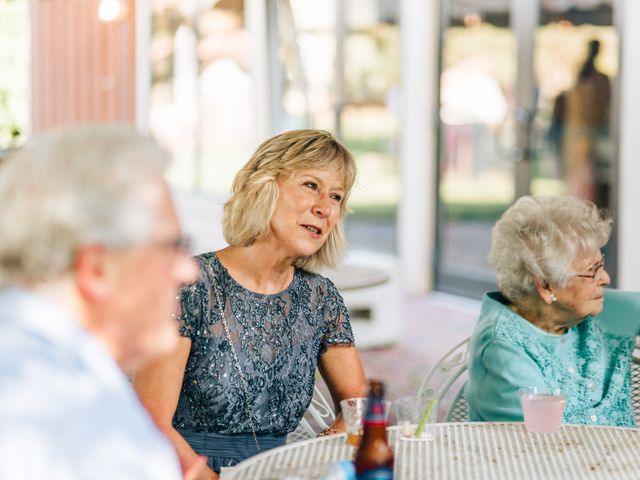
x,y
192,314
507,368
337,329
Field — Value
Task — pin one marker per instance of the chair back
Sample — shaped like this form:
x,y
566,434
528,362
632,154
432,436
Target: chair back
x,y
318,416
635,382
446,381
458,410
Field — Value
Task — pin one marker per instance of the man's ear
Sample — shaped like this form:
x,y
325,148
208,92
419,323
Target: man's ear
x,y
544,290
92,271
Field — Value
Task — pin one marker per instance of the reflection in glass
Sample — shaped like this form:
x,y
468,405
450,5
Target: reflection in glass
x,y
576,63
585,112
567,145
573,140
201,99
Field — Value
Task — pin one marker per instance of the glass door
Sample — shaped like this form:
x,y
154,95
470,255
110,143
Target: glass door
x,y
572,135
525,107
339,69
476,175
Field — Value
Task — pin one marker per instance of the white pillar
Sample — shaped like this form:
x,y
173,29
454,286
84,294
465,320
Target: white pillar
x,y
524,22
420,27
256,23
629,157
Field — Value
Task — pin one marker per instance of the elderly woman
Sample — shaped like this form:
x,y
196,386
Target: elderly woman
x,y
553,324
260,320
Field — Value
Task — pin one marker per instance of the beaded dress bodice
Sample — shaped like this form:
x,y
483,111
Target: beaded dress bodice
x,y
278,339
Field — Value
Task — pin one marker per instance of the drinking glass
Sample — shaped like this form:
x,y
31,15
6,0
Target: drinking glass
x,y
542,408
416,415
353,412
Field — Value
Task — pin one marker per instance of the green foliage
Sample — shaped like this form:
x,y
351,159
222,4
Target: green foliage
x,y
9,130
14,72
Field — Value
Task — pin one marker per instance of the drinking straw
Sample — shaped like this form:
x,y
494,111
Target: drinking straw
x,y
425,417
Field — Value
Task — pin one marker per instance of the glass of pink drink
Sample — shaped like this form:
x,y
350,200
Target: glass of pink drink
x,y
542,408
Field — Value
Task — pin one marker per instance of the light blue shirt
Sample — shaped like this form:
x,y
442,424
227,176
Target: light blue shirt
x,y
66,410
591,362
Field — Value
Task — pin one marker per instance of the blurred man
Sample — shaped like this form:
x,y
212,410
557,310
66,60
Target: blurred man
x,y
586,141
91,257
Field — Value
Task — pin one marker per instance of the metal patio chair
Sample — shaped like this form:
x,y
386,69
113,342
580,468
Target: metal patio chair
x,y
635,382
318,416
446,382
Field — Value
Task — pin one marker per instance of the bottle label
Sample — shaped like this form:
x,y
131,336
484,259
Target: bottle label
x,y
375,415
384,473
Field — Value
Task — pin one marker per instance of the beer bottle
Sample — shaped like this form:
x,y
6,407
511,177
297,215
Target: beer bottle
x,y
374,458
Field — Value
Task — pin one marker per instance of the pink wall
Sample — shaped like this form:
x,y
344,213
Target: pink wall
x,y
83,69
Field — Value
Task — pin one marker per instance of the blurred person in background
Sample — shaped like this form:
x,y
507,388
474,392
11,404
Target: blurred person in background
x,y
260,319
91,260
553,323
586,135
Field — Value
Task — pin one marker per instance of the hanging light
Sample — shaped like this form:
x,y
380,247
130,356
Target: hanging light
x,y
111,10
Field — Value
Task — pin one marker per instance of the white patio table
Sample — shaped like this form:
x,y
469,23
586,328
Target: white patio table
x,y
469,451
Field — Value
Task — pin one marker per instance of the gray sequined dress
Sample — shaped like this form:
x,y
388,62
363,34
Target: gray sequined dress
x,y
278,339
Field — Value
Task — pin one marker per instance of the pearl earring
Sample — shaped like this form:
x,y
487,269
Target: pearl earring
x,y
553,297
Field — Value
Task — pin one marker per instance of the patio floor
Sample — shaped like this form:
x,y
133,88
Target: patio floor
x,y
432,326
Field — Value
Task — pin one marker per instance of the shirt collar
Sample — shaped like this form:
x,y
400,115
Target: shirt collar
x,y
37,314
495,301
53,324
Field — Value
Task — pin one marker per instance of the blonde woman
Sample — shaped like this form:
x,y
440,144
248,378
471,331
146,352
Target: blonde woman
x,y
260,320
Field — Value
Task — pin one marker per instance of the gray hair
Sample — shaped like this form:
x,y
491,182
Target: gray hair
x,y
72,188
255,189
541,237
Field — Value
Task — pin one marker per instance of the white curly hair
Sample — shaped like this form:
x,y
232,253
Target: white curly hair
x,y
71,188
541,237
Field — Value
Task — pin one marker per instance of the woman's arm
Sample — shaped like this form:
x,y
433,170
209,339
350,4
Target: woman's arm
x,y
158,386
621,313
492,391
342,371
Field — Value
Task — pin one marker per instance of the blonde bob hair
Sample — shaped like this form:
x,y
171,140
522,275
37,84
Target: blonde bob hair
x,y
254,192
541,237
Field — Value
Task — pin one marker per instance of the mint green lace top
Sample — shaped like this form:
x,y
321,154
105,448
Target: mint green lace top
x,y
591,362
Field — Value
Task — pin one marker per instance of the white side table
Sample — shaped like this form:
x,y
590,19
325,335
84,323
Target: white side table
x,y
368,282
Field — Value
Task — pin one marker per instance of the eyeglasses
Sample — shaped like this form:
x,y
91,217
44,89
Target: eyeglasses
x,y
180,243
596,268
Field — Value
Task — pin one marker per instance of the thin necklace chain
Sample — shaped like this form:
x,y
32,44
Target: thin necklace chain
x,y
236,362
